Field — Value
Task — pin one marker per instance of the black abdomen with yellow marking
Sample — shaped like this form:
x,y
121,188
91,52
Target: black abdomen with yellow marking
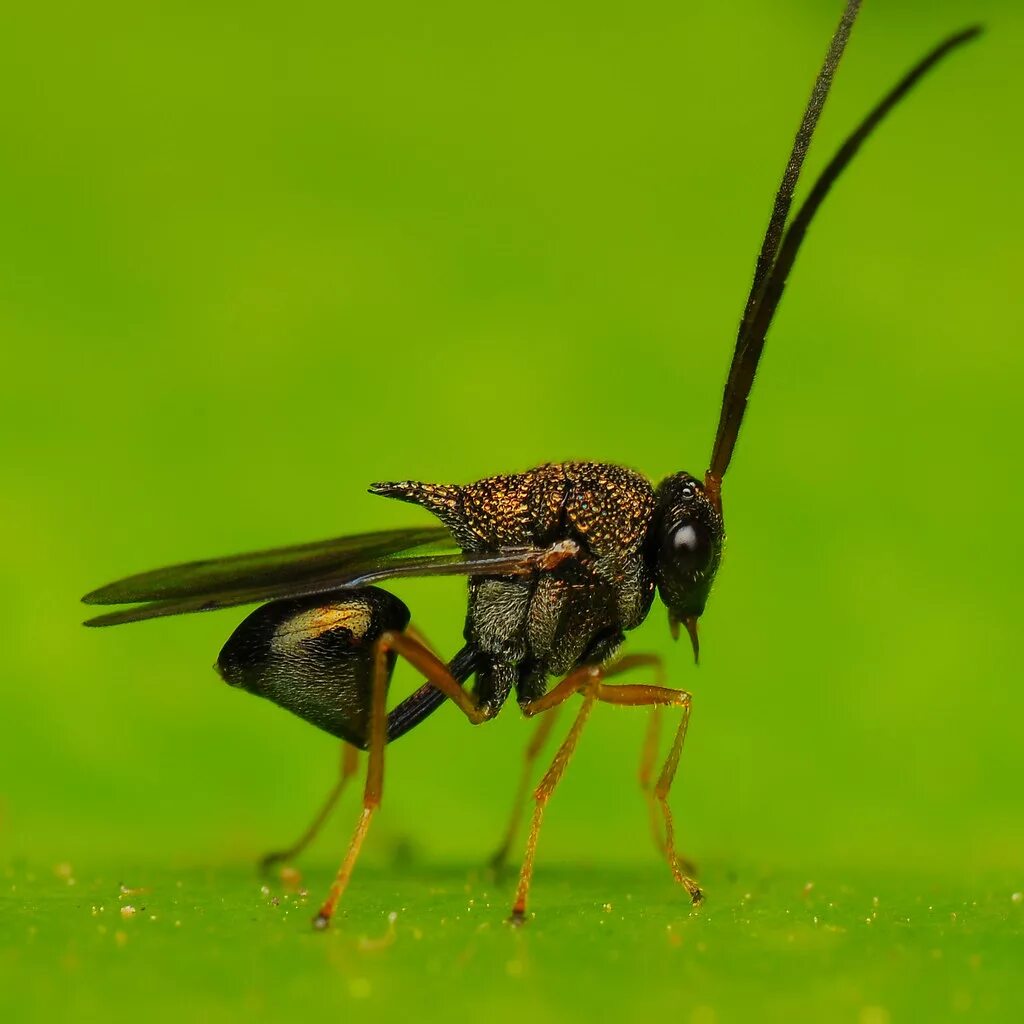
x,y
314,656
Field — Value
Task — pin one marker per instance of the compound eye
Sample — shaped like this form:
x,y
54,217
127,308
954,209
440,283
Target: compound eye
x,y
689,547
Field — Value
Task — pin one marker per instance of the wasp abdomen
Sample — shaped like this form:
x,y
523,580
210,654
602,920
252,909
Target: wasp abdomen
x,y
314,656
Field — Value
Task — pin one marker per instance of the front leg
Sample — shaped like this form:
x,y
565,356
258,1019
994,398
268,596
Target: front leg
x,y
589,682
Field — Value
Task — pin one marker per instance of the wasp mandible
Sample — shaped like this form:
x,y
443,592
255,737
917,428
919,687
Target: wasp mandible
x,y
562,561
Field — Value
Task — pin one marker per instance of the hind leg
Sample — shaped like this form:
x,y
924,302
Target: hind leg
x,y
438,675
347,769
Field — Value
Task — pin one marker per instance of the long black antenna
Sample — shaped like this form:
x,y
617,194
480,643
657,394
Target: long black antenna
x,y
784,196
776,258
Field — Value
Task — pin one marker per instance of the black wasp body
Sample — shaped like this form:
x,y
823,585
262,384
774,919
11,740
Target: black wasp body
x,y
612,539
562,561
617,534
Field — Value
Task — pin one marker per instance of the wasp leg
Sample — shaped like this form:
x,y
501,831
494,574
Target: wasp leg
x,y
438,675
542,794
535,746
657,797
588,682
537,742
648,757
349,767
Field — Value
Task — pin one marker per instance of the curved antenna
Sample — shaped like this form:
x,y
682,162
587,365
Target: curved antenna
x,y
770,281
802,142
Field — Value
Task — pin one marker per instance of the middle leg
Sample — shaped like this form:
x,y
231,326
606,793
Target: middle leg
x,y
536,745
588,681
650,750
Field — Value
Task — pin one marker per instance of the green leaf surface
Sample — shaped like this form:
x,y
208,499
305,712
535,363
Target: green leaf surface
x,y
421,943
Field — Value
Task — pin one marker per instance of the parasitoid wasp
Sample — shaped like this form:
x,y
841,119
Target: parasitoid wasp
x,y
561,561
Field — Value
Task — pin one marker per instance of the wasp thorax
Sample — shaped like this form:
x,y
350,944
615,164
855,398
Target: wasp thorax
x,y
686,545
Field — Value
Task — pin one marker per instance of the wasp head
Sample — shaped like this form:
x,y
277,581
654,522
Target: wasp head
x,y
686,548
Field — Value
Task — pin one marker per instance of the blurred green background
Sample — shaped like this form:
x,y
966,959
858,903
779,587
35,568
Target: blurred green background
x,y
255,258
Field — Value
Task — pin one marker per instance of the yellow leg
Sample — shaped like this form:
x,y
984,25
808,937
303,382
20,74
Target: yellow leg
x,y
656,808
541,796
589,682
436,672
533,749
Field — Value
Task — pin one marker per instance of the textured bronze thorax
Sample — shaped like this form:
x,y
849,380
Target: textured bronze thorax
x,y
608,508
529,629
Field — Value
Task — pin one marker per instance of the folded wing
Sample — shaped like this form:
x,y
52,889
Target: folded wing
x,y
299,571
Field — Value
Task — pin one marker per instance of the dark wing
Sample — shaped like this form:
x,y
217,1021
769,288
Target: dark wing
x,y
262,568
306,569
